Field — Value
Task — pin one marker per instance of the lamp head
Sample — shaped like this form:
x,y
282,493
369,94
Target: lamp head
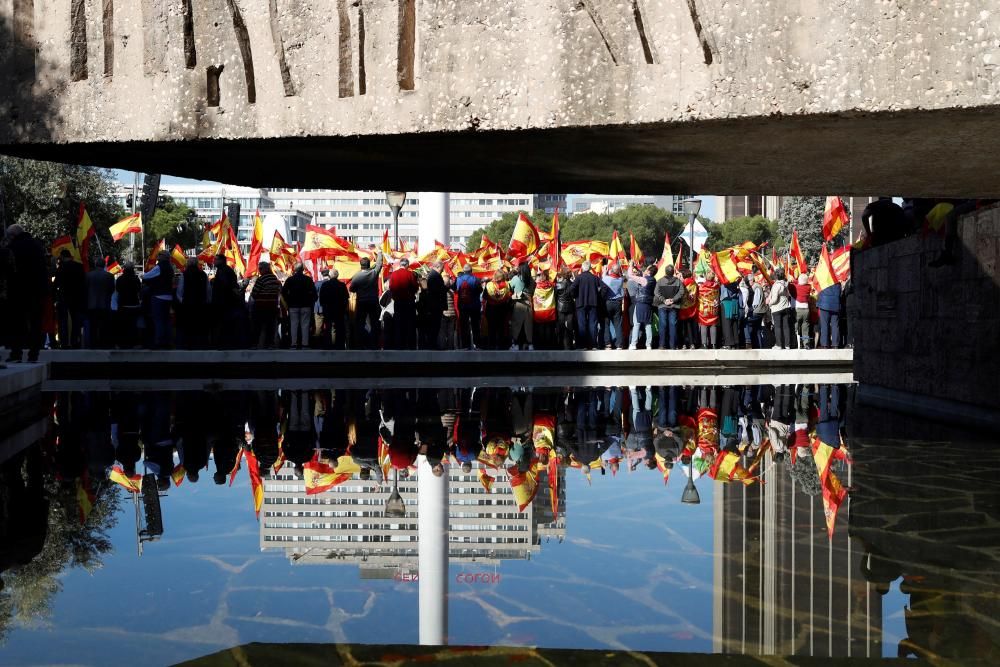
x,y
395,199
692,207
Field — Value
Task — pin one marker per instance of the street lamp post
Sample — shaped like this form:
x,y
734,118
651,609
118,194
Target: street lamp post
x,y
395,201
692,207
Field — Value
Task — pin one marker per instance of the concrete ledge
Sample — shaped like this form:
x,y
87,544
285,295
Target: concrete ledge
x,y
18,378
364,364
25,437
927,407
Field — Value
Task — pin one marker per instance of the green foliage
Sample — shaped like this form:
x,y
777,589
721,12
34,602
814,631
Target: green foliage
x,y
44,198
175,222
648,223
30,589
738,230
806,215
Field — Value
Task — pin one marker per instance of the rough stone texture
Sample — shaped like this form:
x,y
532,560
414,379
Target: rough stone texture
x,y
932,332
609,95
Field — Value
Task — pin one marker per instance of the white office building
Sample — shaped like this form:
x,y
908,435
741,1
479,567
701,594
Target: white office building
x,y
606,204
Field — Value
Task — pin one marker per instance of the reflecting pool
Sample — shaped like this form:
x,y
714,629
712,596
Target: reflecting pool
x,y
164,526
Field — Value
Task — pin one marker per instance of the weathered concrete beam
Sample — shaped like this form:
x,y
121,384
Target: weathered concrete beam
x,y
644,95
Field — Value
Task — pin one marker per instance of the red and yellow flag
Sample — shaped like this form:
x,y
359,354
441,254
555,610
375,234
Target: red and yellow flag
x,y
131,224
841,262
84,232
283,256
555,245
825,275
798,265
178,258
724,265
616,251
320,477
157,249
114,268
256,485
834,492
131,484
524,485
322,242
65,243
525,241
835,217
544,302
553,475
661,465
177,474
256,246
236,467
85,498
634,251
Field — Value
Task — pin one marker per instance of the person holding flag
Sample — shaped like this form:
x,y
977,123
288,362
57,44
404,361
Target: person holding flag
x,y
668,297
643,318
828,302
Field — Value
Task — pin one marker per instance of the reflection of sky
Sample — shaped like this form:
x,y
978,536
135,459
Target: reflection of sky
x,y
635,570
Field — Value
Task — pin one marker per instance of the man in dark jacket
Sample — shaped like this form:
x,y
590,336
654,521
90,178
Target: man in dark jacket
x,y
227,299
192,308
158,284
403,286
100,288
129,291
432,305
265,295
26,292
668,297
364,284
300,297
70,299
586,294
333,299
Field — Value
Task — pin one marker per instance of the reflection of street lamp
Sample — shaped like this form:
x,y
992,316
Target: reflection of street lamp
x,y
690,495
692,207
395,201
394,506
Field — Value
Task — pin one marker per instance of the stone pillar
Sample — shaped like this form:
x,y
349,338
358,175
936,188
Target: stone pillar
x,y
435,219
432,536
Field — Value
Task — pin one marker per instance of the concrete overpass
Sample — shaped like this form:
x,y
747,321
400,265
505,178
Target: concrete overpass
x,y
787,96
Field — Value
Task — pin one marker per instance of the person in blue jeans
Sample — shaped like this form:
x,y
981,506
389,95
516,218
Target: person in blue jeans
x,y
586,291
668,297
643,317
828,303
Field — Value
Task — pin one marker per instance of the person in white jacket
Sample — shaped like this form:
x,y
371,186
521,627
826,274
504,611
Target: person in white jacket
x,y
780,302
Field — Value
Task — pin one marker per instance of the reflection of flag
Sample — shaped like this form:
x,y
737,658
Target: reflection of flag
x,y
525,239
132,484
543,431
486,480
128,225
834,217
524,485
320,477
727,468
661,465
236,467
553,474
256,485
834,492
178,475
84,497
384,461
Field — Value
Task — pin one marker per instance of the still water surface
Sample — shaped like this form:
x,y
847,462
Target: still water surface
x,y
693,519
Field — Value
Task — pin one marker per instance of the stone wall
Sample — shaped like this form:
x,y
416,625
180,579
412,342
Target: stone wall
x,y
609,87
932,332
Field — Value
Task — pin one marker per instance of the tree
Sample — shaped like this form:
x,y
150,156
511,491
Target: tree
x,y
45,197
174,222
805,214
739,230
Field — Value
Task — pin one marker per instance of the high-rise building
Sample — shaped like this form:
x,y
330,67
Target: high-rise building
x,y
611,203
347,524
738,206
550,203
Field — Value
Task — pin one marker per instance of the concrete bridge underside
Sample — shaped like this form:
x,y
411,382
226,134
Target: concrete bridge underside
x,y
787,96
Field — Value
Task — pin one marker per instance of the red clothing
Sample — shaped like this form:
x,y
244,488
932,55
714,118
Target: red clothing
x,y
403,285
799,292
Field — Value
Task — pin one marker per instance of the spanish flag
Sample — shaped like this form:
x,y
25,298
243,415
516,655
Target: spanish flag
x,y
178,258
544,302
131,484
114,268
320,477
936,221
256,485
834,492
128,225
65,243
233,252
725,267
85,498
256,245
553,475
157,249
84,232
178,475
616,250
661,465
666,258
525,240
825,275
555,245
486,480
835,217
795,252
236,467
325,243
841,262
636,253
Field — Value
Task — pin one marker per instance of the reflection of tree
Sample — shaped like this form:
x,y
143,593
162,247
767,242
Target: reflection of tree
x,y
29,589
804,472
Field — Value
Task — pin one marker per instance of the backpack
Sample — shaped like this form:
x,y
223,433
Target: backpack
x,y
761,308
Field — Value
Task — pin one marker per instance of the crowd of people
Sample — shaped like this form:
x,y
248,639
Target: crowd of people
x,y
612,304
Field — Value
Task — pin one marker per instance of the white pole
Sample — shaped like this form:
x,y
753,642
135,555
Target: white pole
x,y
432,540
435,220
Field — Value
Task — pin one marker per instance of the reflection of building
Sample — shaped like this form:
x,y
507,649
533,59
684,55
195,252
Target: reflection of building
x,y
781,586
347,523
